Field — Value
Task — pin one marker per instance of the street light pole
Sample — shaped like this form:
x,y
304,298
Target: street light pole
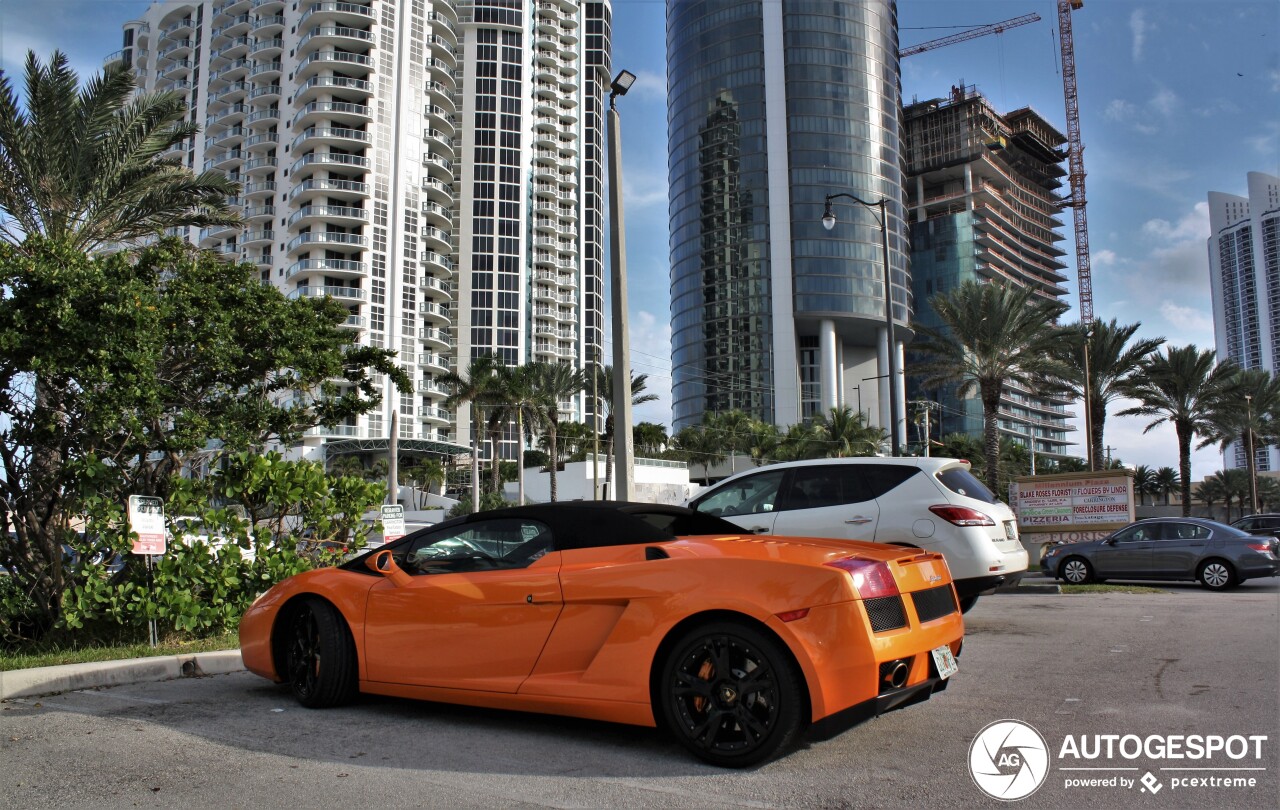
x,y
829,222
1253,466
623,450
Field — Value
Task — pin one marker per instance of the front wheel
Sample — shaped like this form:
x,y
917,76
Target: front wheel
x,y
1216,575
320,659
731,695
1076,570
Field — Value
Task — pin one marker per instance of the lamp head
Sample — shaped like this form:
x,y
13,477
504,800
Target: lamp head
x,y
622,83
828,216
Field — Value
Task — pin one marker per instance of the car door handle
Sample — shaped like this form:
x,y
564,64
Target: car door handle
x,y
858,520
758,529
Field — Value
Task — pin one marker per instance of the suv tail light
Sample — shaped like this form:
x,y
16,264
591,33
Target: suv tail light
x,y
1260,546
961,515
872,578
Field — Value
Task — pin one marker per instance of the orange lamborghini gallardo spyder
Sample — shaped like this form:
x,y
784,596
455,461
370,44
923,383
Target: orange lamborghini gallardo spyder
x,y
630,613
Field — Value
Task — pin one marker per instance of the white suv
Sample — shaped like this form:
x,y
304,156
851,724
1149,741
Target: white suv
x,y
929,503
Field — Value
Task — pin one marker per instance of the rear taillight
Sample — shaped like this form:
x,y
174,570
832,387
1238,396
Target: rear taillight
x,y
961,515
1260,546
872,578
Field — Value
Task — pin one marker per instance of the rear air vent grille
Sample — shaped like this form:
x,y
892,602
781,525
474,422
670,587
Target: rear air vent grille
x,y
934,603
886,613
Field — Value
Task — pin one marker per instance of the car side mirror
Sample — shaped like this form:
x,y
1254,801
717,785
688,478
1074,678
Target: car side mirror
x,y
1110,541
385,563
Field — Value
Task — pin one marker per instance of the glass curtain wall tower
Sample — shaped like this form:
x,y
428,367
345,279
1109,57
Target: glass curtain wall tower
x,y
434,165
771,107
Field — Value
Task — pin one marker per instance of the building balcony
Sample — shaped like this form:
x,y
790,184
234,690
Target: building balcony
x,y
436,289
435,313
328,240
265,92
332,161
435,338
235,91
176,69
435,362
314,86
235,26
270,25
261,165
336,268
261,187
436,263
350,14
268,6
257,237
259,212
333,60
266,70
438,190
236,69
268,114
341,189
436,214
224,161
175,49
339,36
340,293
226,137
263,140
313,214
330,136
439,141
235,46
233,114
439,168
434,415
230,8
340,112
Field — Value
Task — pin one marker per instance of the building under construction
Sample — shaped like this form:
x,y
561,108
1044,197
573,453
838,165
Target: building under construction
x,y
984,198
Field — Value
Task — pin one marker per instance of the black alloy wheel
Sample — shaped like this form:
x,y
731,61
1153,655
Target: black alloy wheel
x,y
731,695
320,657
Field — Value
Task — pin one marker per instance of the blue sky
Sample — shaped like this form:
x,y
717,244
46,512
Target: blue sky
x,y
1177,98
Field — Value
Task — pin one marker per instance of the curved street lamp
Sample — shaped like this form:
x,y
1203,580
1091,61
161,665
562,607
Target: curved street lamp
x,y
829,222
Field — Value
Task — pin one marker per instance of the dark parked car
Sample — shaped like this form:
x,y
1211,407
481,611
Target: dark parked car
x,y
1215,554
1262,523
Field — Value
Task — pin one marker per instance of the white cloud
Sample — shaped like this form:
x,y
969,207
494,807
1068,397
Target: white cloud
x,y
650,85
1188,322
1103,258
1165,102
1265,142
1138,28
650,189
1159,448
1193,225
1118,110
1273,76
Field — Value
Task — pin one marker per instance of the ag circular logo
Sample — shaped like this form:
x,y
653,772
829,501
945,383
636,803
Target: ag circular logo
x,y
1008,760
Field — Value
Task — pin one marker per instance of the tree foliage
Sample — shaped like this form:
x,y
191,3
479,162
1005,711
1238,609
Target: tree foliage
x,y
144,362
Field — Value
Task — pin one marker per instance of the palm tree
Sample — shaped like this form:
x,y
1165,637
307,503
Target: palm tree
x,y
346,465
473,389
552,383
650,437
1211,490
604,385
734,429
1236,484
1112,362
763,441
1182,387
1268,493
992,335
1166,480
843,432
1144,483
700,446
81,167
1247,413
800,441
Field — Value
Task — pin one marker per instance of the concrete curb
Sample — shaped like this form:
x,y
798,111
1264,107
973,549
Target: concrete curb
x,y
69,677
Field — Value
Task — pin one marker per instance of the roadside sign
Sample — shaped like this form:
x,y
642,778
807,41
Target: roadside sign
x,y
392,523
146,519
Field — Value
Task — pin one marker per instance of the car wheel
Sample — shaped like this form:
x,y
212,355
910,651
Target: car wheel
x,y
967,603
731,695
1216,575
320,662
1076,570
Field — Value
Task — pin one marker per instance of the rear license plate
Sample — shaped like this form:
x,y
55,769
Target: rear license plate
x,y
1010,533
945,662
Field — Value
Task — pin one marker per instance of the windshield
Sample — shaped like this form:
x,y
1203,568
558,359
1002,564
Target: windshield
x,y
962,482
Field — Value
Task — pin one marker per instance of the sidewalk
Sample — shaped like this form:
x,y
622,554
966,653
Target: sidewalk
x,y
69,677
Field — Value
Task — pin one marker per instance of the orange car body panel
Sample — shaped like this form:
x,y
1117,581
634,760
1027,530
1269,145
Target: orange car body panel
x,y
577,632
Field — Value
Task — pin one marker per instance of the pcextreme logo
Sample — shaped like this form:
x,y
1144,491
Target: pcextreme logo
x,y
1008,760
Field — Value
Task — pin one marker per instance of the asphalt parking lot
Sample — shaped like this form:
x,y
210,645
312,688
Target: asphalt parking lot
x,y
1156,666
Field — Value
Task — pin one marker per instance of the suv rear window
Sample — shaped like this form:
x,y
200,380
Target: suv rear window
x,y
962,482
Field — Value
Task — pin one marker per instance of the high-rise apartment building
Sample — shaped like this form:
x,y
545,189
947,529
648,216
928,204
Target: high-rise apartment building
x,y
1244,276
773,106
435,165
984,203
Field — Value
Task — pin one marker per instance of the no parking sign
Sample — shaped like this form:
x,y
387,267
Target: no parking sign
x,y
146,518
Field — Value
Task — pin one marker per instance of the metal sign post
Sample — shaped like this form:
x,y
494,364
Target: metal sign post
x,y
146,521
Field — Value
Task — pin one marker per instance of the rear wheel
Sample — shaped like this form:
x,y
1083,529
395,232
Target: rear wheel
x,y
320,659
1076,570
1216,575
731,695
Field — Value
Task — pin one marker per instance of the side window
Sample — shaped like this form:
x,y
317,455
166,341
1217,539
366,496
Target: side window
x,y
1248,524
746,496
825,485
481,546
884,478
1135,534
1186,531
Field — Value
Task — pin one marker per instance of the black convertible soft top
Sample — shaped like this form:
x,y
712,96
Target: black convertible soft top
x,y
591,524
